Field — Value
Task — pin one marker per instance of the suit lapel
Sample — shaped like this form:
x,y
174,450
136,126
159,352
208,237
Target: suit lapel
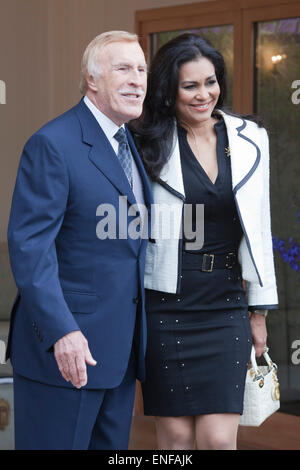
x,y
145,180
244,152
101,153
104,158
171,175
148,197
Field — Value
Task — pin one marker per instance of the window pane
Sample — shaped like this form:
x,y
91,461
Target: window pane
x,y
221,37
277,72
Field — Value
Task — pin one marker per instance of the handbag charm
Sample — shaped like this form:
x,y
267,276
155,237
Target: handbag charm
x,y
262,395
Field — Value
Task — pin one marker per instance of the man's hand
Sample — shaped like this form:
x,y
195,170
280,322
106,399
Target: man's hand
x,y
259,333
72,353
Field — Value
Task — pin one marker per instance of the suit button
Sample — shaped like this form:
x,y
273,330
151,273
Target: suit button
x,y
136,300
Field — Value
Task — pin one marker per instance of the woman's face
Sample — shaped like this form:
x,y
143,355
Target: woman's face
x,y
198,91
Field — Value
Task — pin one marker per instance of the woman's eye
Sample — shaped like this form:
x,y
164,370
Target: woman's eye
x,y
194,86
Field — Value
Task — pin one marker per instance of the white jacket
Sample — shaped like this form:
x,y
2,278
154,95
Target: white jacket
x,y
249,155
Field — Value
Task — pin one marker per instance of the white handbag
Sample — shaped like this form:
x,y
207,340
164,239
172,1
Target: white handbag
x,y
262,396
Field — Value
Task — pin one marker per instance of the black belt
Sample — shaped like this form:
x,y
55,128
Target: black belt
x,y
207,262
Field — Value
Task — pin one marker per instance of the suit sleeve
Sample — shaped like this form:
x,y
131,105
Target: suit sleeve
x,y
38,206
265,297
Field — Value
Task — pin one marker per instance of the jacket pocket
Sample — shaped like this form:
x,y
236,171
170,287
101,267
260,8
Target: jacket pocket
x,y
80,302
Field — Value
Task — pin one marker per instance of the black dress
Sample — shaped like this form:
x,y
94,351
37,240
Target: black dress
x,y
199,341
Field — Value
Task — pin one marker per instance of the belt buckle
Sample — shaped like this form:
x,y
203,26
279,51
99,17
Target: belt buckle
x,y
233,256
211,263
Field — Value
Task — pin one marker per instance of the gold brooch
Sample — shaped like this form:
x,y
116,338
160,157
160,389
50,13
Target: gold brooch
x,y
227,150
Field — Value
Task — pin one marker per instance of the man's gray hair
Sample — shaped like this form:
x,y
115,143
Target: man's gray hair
x,y
90,64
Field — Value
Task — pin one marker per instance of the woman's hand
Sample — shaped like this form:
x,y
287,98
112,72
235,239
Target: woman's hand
x,y
259,332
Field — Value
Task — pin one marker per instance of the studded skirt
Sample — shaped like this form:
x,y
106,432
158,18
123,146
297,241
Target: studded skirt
x,y
199,345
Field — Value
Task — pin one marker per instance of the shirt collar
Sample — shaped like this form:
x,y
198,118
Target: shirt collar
x,y
108,126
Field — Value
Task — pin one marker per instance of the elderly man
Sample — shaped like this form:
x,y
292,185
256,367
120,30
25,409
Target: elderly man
x,y
77,335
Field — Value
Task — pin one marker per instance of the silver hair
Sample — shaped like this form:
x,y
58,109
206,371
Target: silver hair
x,y
90,64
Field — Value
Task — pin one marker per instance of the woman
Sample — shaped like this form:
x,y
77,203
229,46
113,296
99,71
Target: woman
x,y
199,330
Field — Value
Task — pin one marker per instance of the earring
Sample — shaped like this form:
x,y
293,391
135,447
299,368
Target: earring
x,y
167,103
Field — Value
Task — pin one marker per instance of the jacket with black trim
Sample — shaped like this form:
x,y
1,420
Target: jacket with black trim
x,y
249,155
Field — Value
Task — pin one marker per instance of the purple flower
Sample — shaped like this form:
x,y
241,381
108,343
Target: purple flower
x,y
289,251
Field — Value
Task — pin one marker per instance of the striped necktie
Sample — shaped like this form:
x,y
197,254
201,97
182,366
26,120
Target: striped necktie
x,y
124,154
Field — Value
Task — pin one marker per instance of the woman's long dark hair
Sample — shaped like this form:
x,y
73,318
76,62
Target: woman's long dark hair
x,y
154,130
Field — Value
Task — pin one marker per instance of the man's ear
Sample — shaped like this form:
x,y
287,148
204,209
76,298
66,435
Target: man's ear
x,y
91,83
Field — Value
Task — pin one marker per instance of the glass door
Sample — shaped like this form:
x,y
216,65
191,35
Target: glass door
x,y
276,79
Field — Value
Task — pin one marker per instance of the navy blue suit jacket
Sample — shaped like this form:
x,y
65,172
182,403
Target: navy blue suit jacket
x,y
68,279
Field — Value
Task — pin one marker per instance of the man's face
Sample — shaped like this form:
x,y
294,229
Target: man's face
x,y
120,89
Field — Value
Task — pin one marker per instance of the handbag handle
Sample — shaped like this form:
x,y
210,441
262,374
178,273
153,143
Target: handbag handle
x,y
254,363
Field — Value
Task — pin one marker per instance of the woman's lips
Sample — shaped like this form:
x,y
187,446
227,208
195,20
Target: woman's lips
x,y
201,107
